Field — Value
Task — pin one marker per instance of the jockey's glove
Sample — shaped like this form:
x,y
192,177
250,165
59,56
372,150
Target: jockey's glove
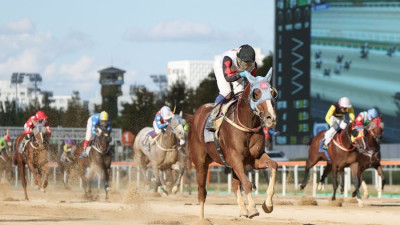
x,y
244,73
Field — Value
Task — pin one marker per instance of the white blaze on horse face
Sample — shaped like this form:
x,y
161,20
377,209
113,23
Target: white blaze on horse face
x,y
271,110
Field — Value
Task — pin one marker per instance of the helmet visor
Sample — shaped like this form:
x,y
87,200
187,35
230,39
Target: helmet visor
x,y
245,65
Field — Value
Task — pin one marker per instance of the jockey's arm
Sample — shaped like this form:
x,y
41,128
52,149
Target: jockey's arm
x,y
351,114
108,127
329,114
229,75
158,122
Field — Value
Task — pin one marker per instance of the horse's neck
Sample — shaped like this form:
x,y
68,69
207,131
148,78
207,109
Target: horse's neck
x,y
371,141
244,113
168,137
345,138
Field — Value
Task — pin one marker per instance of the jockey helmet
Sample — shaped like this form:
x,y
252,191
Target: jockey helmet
x,y
69,141
166,113
40,115
372,114
103,116
246,57
344,102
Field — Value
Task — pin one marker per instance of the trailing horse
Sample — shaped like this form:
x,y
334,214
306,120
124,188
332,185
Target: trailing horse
x,y
341,153
369,156
67,165
163,153
6,162
35,155
99,160
241,141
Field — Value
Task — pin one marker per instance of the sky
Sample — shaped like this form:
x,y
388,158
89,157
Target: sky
x,y
68,42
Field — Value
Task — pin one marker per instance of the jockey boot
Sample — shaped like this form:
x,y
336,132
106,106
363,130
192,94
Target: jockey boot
x,y
84,153
211,118
325,147
23,144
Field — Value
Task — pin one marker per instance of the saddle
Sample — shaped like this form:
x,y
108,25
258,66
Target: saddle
x,y
223,110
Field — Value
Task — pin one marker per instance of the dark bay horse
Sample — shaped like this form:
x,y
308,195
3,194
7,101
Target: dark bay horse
x,y
99,160
370,157
6,161
164,152
36,156
342,154
242,143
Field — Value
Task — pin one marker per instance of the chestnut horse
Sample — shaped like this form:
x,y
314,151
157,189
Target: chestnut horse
x,y
6,161
341,156
242,142
35,155
99,161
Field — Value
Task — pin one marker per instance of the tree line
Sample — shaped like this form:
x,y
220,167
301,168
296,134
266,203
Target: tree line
x,y
133,116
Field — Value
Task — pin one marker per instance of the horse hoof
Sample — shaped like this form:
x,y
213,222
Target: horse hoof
x,y
319,187
174,190
366,196
254,213
244,214
267,209
302,186
108,189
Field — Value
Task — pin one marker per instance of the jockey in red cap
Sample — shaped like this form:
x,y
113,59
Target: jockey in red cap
x,y
31,123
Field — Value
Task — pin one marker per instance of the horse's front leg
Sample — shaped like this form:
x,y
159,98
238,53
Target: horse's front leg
x,y
238,193
262,163
380,173
356,180
89,181
45,168
178,181
106,177
247,186
36,174
334,182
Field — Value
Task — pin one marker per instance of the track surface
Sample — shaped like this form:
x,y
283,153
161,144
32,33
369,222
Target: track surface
x,y
60,206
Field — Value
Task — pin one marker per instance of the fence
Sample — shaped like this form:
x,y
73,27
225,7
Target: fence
x,y
129,172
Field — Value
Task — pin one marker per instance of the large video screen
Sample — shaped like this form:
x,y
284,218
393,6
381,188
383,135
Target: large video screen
x,y
354,53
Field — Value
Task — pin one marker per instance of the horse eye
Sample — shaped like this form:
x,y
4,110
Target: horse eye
x,y
274,93
255,95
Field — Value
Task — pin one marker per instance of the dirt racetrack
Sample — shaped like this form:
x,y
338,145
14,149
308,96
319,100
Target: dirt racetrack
x,y
60,206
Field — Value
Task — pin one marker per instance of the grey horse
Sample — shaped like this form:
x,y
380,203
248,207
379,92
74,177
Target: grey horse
x,y
164,152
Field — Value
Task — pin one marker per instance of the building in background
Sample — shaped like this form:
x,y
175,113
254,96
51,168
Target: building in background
x,y
24,93
111,80
60,102
191,72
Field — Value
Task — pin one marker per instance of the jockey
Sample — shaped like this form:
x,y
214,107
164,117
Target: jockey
x,y
31,123
229,74
335,118
68,147
161,120
98,120
363,119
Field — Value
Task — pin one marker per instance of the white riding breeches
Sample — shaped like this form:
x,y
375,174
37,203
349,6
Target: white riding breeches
x,y
223,85
89,135
336,122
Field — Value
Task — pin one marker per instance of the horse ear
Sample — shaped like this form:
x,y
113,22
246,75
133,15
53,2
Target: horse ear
x,y
269,75
181,114
250,78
